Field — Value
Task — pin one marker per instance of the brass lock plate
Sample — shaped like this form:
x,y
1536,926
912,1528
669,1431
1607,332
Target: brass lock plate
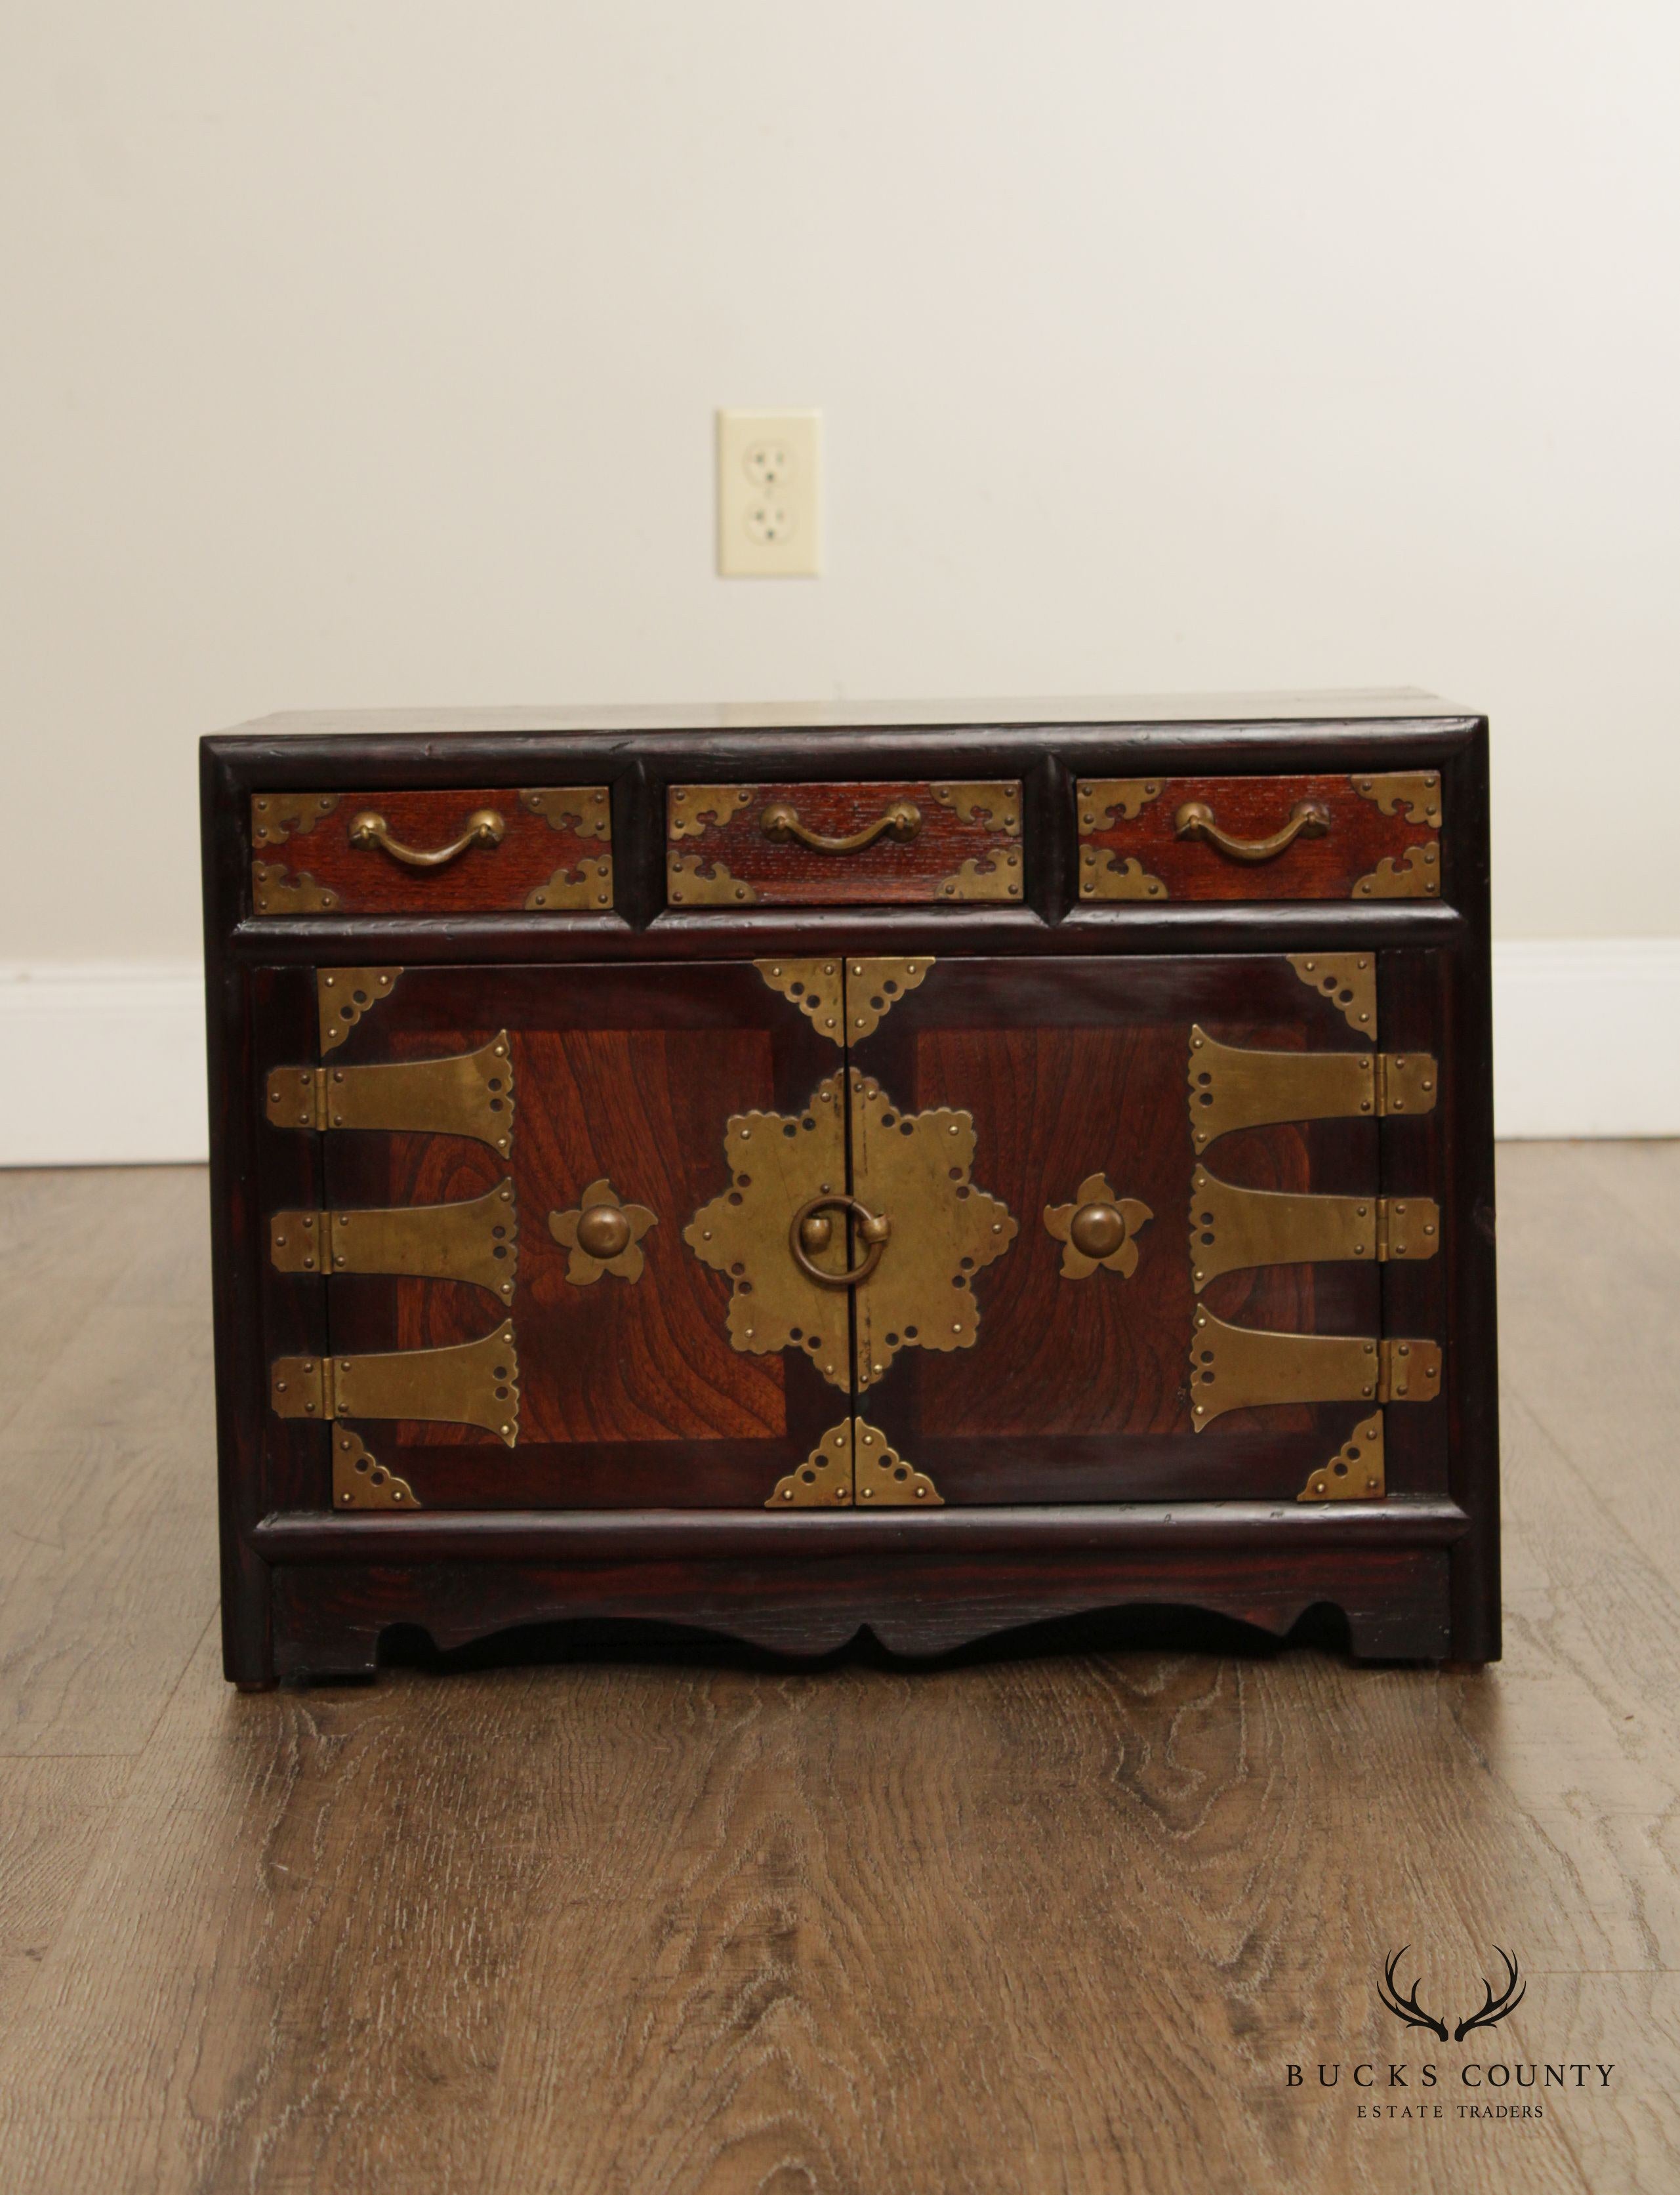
x,y
914,1168
777,1163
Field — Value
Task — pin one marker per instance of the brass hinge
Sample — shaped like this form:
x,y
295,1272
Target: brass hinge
x,y
1243,1368
468,1094
1232,1086
474,1383
1233,1228
475,1240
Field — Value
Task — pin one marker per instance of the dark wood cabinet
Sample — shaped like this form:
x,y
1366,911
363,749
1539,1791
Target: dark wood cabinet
x,y
793,1177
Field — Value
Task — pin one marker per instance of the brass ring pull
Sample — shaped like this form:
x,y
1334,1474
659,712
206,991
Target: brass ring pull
x,y
484,827
812,1229
900,819
1308,819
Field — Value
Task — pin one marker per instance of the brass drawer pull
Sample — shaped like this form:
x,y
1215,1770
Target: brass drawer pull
x,y
484,827
900,819
812,1229
1308,819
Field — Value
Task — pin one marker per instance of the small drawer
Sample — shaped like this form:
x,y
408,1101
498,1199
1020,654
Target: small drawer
x,y
1361,838
839,845
545,851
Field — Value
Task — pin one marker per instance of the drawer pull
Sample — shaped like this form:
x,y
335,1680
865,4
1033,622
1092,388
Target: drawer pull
x,y
900,819
812,1229
484,827
1308,819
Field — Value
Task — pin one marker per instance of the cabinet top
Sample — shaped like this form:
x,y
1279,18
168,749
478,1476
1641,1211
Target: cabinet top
x,y
1401,703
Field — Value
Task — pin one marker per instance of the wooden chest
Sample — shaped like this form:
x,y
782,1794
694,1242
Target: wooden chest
x,y
926,1169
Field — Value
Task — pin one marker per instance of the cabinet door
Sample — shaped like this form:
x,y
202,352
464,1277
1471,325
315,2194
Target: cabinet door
x,y
591,1143
1171,1235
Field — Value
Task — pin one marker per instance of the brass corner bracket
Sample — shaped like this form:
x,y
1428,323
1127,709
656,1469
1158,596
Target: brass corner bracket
x,y
1418,876
1101,797
845,1001
1349,981
274,891
1355,1472
360,1481
275,815
997,877
815,987
584,809
824,1480
854,1463
994,806
874,988
1103,877
343,995
884,1478
693,881
1417,791
691,809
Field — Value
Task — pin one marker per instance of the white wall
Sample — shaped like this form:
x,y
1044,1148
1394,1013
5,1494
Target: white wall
x,y
359,352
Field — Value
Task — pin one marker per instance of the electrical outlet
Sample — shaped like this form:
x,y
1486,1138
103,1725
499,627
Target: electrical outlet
x,y
769,483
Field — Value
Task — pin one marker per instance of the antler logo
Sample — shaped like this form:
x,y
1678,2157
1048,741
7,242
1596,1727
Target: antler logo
x,y
1407,2007
1494,2009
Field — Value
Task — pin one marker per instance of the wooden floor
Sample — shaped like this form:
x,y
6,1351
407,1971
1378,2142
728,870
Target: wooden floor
x,y
1056,1918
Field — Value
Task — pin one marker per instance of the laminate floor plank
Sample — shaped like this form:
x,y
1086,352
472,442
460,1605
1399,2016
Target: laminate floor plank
x,y
1589,1243
66,1240
51,1815
1056,1921
107,1467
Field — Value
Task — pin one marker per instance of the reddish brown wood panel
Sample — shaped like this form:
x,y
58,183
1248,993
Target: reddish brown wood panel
x,y
1077,1390
298,854
967,845
631,1391
1361,837
613,1359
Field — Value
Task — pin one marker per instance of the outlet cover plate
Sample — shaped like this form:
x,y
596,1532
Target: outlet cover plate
x,y
769,495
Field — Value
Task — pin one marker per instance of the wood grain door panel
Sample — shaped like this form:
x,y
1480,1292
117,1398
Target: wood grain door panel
x,y
1077,1390
631,1394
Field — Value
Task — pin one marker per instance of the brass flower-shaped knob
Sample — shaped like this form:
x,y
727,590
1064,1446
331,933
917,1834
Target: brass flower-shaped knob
x,y
603,1235
1098,1229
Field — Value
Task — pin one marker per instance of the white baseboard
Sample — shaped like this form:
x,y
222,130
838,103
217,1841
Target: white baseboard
x,y
102,1063
1586,1036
